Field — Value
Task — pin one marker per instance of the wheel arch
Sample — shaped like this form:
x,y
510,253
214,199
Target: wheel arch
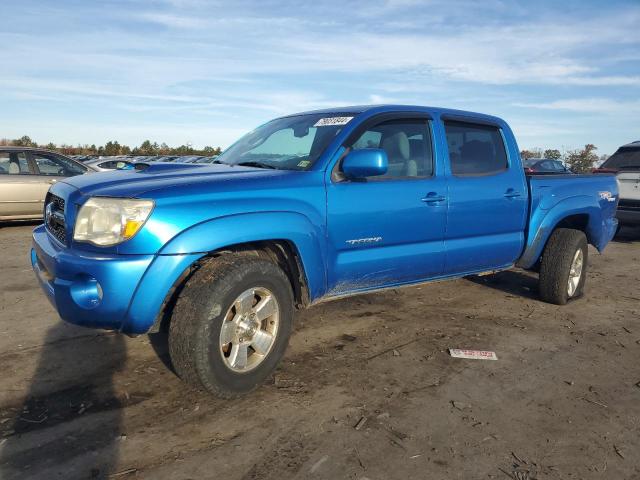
x,y
291,233
578,213
283,253
289,239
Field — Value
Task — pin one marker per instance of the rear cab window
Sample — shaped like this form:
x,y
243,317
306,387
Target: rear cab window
x,y
475,149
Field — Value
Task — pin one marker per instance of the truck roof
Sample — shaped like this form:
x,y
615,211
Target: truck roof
x,y
383,108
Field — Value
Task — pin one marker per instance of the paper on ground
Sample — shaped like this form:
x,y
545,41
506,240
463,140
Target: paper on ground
x,y
473,354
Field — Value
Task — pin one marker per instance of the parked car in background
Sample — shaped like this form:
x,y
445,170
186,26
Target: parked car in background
x,y
303,209
25,177
625,163
83,158
106,164
206,159
544,165
189,159
142,158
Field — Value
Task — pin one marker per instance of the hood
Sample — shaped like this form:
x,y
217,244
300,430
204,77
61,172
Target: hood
x,y
135,183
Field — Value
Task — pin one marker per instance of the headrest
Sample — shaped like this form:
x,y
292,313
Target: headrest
x,y
397,146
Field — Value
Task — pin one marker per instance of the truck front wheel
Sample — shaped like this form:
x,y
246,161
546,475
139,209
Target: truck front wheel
x,y
563,268
231,324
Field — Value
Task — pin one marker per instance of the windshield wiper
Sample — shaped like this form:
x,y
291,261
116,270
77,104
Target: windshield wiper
x,y
256,164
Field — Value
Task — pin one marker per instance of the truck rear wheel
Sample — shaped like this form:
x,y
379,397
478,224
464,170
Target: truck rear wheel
x,y
563,268
231,324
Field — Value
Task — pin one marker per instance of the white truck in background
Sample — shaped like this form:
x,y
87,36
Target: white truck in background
x,y
625,163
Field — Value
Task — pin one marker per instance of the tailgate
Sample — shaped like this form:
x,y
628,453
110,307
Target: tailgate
x,y
629,186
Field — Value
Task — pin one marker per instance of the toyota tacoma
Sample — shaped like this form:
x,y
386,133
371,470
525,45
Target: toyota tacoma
x,y
307,208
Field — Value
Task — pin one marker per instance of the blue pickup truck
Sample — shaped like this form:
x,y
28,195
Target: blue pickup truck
x,y
307,208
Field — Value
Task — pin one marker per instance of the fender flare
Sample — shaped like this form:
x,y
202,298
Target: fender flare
x,y
544,222
226,231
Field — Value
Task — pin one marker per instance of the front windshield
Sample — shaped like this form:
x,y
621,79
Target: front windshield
x,y
289,143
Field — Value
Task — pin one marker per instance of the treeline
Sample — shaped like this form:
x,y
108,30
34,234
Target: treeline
x,y
581,160
115,148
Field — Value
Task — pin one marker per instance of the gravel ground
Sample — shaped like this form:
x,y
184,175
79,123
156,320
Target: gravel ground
x,y
367,389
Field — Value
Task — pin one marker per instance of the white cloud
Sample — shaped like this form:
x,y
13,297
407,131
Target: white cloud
x,y
252,61
507,55
588,105
173,21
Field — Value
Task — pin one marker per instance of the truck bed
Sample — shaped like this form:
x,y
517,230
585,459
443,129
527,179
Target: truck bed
x,y
578,200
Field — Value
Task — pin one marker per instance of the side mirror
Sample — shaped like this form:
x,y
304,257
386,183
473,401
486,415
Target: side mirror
x,y
368,162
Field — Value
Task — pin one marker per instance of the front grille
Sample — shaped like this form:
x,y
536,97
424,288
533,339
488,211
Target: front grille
x,y
54,219
57,201
633,205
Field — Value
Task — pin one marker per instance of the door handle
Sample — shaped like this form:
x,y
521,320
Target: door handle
x,y
433,197
511,193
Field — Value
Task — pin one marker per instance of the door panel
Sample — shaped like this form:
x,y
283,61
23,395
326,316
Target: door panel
x,y
487,200
390,229
485,229
382,233
20,190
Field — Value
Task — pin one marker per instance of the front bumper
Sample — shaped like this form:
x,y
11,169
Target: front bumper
x,y
114,292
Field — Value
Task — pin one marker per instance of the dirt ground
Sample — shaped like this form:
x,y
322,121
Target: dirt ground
x,y
561,402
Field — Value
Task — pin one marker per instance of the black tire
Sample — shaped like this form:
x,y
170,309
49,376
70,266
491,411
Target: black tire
x,y
194,331
556,263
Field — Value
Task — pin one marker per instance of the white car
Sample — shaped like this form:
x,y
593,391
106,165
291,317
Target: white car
x,y
625,163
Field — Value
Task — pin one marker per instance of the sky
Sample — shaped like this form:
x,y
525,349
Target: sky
x,y
199,72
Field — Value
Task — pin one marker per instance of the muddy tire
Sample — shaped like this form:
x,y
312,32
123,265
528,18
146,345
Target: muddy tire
x,y
231,325
563,268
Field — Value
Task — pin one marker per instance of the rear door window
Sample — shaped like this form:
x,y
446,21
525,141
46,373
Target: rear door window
x,y
52,165
475,149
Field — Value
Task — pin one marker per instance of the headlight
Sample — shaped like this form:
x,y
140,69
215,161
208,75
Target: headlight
x,y
109,221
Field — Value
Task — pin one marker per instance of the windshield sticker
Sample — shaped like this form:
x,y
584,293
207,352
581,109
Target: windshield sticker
x,y
332,121
304,163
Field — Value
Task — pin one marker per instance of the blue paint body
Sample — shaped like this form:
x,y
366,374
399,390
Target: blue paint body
x,y
415,230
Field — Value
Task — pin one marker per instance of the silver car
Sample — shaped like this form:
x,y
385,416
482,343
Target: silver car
x,y
25,177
